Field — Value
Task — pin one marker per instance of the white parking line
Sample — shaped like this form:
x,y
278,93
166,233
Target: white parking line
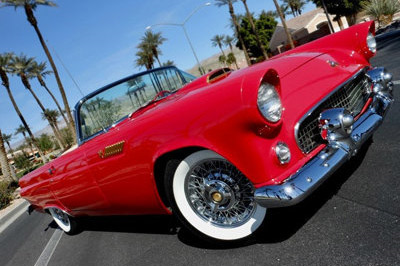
x,y
396,82
50,248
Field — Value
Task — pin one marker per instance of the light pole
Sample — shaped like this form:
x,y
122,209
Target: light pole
x,y
186,34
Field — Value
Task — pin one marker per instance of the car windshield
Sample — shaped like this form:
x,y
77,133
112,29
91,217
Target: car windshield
x,y
113,104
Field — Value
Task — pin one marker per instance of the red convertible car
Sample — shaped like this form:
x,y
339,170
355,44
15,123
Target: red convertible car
x,y
219,150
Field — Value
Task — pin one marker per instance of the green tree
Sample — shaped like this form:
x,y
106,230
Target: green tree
x,y
45,143
222,59
67,136
235,22
22,162
254,29
22,130
29,7
266,25
229,41
218,40
230,59
144,57
5,61
152,41
169,63
7,138
340,8
382,10
296,6
39,71
52,117
21,66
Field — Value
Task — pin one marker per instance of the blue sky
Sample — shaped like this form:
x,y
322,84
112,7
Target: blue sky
x,y
96,41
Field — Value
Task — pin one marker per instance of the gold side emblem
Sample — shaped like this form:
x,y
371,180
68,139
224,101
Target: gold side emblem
x,y
112,150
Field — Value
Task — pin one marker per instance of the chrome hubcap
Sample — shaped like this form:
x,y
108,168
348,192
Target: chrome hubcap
x,y
61,216
219,193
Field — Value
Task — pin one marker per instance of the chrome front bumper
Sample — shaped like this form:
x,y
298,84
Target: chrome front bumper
x,y
344,140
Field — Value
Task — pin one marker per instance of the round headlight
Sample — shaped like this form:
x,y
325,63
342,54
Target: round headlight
x,y
269,102
371,42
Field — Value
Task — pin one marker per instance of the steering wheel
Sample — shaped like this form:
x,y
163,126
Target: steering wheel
x,y
161,94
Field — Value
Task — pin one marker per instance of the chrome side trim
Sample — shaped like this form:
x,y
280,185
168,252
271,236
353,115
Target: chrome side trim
x,y
340,148
297,126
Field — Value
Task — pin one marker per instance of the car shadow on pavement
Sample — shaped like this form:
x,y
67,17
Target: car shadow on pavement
x,y
279,225
287,221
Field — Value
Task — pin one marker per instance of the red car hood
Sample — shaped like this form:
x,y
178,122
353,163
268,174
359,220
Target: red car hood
x,y
283,65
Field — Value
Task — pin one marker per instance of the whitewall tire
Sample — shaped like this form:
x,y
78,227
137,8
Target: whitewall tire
x,y
63,220
215,198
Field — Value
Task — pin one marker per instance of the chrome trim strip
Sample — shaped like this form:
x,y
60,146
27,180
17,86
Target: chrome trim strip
x,y
338,150
297,126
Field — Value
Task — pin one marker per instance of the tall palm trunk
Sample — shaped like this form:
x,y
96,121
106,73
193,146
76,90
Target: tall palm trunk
x,y
289,36
31,18
6,84
5,166
43,84
27,85
255,31
237,27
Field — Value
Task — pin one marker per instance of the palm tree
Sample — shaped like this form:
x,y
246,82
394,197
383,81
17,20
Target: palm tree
x,y
289,36
5,166
144,57
255,31
5,60
7,138
222,59
382,10
29,7
21,66
39,70
22,130
220,3
228,41
218,40
295,6
51,116
153,41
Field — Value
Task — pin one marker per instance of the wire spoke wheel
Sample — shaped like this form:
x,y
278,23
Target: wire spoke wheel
x,y
215,198
219,193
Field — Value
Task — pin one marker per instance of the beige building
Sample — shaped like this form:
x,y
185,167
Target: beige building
x,y
305,28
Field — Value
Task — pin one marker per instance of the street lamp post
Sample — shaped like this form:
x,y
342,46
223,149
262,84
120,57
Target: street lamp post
x,y
185,32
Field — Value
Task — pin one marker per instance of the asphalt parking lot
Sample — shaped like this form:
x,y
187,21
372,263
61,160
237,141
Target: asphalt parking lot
x,y
353,219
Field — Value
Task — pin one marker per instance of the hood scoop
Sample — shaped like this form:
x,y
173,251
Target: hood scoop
x,y
218,75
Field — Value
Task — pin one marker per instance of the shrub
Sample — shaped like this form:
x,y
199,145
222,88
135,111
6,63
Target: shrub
x,y
21,162
6,191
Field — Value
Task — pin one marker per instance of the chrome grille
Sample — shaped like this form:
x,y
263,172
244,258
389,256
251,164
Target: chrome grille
x,y
352,96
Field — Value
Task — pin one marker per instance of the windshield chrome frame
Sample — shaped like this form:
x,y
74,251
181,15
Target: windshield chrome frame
x,y
77,108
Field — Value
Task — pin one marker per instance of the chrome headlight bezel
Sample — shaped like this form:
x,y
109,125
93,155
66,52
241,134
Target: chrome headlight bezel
x,y
269,102
371,42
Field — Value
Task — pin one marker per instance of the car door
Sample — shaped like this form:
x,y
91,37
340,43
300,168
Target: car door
x,y
73,184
